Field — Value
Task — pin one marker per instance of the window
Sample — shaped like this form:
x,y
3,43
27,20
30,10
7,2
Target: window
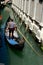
x,y
32,0
40,1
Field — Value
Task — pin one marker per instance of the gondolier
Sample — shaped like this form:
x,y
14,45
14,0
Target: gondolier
x,y
11,27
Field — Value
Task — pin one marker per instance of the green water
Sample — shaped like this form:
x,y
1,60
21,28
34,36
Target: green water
x,y
27,56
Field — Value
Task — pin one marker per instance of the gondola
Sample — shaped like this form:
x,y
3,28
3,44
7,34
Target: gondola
x,y
16,42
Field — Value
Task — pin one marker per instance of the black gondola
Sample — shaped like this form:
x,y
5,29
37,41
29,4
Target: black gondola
x,y
16,42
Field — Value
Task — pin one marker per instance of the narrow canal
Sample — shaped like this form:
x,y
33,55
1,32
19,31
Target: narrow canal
x,y
10,56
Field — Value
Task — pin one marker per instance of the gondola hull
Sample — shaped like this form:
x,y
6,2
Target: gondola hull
x,y
14,44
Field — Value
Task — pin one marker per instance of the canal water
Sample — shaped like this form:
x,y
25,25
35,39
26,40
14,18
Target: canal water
x,y
11,56
4,54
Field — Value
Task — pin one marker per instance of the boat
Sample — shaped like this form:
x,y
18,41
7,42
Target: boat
x,y
16,42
